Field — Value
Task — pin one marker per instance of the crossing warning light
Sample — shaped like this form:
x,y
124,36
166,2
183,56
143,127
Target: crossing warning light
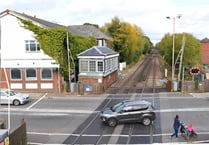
x,y
194,71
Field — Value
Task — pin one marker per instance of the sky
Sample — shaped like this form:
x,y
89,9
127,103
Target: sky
x,y
150,15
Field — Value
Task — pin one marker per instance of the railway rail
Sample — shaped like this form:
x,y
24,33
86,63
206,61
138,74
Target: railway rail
x,y
134,82
143,80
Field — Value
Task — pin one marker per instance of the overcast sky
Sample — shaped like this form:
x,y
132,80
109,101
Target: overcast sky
x,y
150,15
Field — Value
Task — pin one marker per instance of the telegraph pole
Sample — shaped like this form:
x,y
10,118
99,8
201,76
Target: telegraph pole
x,y
68,57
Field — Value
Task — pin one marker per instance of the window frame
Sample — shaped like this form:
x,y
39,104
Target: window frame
x,y
30,78
92,65
81,68
28,47
41,70
14,79
99,66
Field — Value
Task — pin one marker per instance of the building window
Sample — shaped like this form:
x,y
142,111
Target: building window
x,y
84,66
92,66
100,66
32,46
15,74
30,74
46,74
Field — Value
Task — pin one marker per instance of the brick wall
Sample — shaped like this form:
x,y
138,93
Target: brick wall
x,y
55,83
93,80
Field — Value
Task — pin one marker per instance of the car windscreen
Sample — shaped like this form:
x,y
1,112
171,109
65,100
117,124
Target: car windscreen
x,y
12,93
117,107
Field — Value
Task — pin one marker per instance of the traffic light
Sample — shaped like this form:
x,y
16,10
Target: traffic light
x,y
194,71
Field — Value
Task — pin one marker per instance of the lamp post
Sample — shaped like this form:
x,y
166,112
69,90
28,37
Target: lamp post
x,y
172,76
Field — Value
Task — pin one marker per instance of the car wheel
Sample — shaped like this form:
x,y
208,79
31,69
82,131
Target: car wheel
x,y
112,122
146,121
16,102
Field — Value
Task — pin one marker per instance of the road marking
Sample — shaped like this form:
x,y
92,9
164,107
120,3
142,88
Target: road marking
x,y
50,111
183,110
106,135
119,128
36,102
72,111
35,143
110,135
49,134
116,134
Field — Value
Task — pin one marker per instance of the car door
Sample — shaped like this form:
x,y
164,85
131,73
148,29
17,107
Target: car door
x,y
4,98
137,112
124,114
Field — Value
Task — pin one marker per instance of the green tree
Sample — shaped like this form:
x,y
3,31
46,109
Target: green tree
x,y
192,49
127,39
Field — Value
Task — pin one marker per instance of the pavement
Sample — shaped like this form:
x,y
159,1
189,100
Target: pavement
x,y
200,95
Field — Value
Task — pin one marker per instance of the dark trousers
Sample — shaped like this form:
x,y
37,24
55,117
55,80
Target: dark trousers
x,y
175,133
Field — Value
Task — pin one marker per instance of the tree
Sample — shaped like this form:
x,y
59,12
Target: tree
x,y
127,39
192,49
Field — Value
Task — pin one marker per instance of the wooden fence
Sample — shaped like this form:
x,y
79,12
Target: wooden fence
x,y
87,89
19,136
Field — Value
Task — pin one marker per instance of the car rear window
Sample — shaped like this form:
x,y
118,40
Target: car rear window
x,y
140,107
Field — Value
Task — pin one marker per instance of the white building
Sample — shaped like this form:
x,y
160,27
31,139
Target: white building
x,y
23,63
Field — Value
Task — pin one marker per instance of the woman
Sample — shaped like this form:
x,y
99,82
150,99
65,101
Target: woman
x,y
176,126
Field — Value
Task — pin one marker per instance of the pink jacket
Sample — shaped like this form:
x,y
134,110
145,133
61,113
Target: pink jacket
x,y
190,128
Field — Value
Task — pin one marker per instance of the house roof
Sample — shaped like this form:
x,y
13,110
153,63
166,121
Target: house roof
x,y
98,51
33,18
205,53
205,40
87,30
83,30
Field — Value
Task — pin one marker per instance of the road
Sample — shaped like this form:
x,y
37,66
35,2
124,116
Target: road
x,y
75,119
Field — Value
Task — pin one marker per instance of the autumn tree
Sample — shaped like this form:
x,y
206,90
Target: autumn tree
x,y
192,49
127,39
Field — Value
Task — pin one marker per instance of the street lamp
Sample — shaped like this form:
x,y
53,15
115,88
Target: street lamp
x,y
174,18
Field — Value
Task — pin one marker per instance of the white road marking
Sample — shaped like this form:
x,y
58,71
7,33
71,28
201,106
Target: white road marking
x,y
72,111
36,102
35,143
106,135
48,111
183,110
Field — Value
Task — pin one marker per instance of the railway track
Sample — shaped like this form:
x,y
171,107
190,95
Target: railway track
x,y
141,81
134,82
149,84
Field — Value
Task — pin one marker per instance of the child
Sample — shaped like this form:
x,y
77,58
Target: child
x,y
190,128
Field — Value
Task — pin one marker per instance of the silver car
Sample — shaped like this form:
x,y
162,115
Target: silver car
x,y
14,97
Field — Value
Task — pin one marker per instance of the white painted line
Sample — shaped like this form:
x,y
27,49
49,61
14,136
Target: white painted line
x,y
36,102
65,111
49,134
183,110
106,135
71,111
115,135
35,143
